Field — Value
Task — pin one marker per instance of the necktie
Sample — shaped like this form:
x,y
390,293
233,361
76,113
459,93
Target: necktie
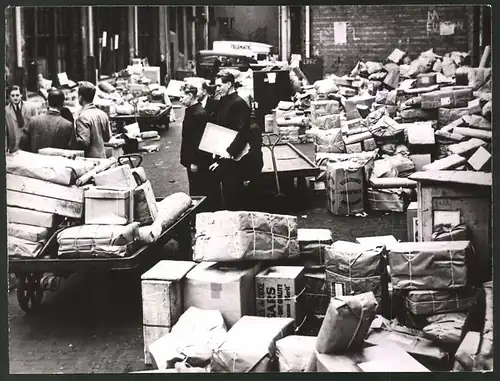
x,y
19,116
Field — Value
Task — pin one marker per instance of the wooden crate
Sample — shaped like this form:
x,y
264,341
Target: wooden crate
x,y
463,191
150,335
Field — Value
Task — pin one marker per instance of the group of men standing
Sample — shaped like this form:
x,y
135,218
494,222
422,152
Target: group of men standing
x,y
57,128
220,178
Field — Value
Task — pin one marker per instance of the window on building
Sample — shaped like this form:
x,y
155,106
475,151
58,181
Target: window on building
x,y
225,26
172,18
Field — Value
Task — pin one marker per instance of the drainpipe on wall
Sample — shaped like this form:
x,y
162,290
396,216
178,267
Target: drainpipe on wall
x,y
19,38
91,31
308,31
136,33
205,29
279,31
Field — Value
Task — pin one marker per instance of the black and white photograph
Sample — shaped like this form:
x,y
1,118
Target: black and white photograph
x,y
249,188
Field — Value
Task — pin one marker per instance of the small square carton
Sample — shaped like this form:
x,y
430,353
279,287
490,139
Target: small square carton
x,y
354,148
369,145
109,206
120,176
229,289
412,222
278,290
162,292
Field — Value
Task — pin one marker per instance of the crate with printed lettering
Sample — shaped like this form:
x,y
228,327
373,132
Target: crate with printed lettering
x,y
278,292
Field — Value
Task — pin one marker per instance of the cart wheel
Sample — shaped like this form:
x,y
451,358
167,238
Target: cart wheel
x,y
29,292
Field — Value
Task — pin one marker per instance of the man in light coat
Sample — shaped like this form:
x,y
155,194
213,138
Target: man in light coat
x,y
92,127
18,113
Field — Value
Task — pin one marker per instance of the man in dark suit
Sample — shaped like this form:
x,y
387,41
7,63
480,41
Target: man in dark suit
x,y
193,159
18,113
234,113
50,129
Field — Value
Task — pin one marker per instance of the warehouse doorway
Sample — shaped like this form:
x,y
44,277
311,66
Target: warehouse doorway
x,y
296,29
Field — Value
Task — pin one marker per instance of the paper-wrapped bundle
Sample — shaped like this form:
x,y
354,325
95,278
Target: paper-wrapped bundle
x,y
106,241
448,115
447,330
430,302
294,352
465,357
429,265
346,323
404,165
21,248
233,236
448,233
54,169
454,97
412,341
290,134
329,141
250,345
321,108
312,244
317,293
193,338
353,269
169,210
326,86
327,122
389,200
384,168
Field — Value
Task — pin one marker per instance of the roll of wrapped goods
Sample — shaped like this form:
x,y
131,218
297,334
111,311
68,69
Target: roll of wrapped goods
x,y
169,209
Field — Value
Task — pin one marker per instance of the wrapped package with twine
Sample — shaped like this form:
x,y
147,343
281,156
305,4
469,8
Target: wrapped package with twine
x,y
346,323
430,302
294,352
353,269
250,345
312,245
317,293
234,236
88,241
192,339
21,248
329,141
447,331
429,265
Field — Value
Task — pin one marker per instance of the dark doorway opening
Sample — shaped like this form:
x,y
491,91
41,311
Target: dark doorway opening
x,y
295,30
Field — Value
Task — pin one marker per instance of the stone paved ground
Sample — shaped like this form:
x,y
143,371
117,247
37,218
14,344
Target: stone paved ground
x,y
93,323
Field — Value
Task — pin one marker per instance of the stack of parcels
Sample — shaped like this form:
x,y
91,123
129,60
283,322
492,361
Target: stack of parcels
x,y
346,183
289,122
340,345
429,108
121,213
433,282
353,269
41,193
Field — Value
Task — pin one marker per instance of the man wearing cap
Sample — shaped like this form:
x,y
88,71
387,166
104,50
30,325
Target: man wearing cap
x,y
49,129
234,113
92,126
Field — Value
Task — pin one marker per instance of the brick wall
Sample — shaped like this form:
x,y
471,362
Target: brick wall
x,y
374,31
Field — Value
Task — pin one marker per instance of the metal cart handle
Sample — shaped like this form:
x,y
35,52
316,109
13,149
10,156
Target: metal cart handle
x,y
131,158
268,142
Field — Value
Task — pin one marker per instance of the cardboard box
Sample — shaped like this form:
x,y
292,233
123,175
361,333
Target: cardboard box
x,y
109,206
481,160
162,290
412,222
345,188
120,176
27,232
447,163
423,135
312,244
388,200
228,289
150,335
294,352
382,240
354,148
29,217
429,265
145,208
387,357
369,144
251,341
317,295
278,290
420,161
